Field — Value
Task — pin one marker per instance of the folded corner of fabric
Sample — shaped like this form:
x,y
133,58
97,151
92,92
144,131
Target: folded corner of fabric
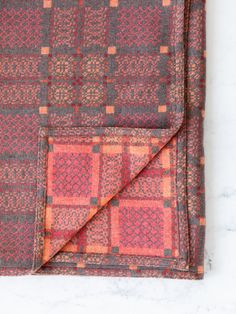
x,y
101,161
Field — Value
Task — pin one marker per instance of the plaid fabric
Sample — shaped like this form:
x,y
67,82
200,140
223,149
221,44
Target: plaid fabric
x,y
101,160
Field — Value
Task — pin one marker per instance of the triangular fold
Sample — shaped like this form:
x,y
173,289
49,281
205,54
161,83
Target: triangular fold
x,y
85,171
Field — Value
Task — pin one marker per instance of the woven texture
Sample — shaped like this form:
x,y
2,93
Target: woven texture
x,y
101,157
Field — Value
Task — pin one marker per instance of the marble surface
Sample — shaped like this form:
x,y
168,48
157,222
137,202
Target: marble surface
x,y
216,294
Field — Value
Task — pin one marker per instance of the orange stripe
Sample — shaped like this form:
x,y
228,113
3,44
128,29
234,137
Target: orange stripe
x,y
48,218
115,232
71,200
112,149
165,158
141,203
96,249
57,148
166,184
47,249
95,172
139,150
49,174
70,247
142,251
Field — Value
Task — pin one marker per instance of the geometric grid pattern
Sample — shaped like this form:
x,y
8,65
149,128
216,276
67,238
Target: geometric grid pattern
x,y
85,65
79,169
141,220
111,75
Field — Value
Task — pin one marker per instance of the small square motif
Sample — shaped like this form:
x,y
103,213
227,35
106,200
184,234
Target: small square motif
x,y
50,140
47,4
167,252
50,147
111,50
96,139
115,249
114,3
110,109
108,80
80,265
93,201
155,149
202,221
166,3
164,49
176,253
49,199
162,108
167,203
202,161
114,202
200,269
43,110
133,267
96,149
45,50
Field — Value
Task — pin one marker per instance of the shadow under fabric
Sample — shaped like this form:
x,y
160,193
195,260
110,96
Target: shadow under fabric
x,y
101,160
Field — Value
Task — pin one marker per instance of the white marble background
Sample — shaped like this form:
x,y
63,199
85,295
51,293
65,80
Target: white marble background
x,y
216,294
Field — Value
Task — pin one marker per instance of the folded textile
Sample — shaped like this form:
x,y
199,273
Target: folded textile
x,y
101,131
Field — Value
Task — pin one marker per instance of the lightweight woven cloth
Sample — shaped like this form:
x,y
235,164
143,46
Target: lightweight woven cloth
x,y
101,156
